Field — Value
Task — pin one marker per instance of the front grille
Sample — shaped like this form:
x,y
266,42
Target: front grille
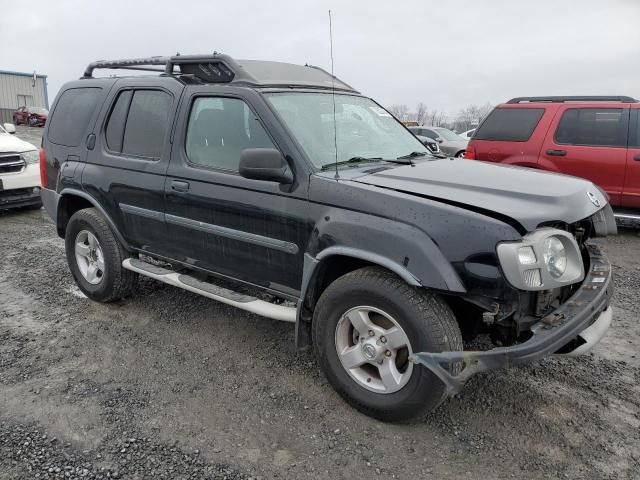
x,y
12,163
18,195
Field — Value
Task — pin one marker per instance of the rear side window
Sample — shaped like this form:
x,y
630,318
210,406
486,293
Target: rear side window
x,y
138,123
604,127
634,129
115,126
72,114
509,124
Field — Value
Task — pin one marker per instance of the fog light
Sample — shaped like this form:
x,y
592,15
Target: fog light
x,y
532,277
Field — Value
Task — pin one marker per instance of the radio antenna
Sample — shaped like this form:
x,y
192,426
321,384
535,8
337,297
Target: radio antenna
x,y
333,97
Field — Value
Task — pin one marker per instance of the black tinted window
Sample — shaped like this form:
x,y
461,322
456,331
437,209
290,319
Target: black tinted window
x,y
70,120
219,129
593,126
147,123
509,124
114,132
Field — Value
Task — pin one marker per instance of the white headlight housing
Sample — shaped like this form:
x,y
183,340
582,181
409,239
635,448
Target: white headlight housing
x,y
544,259
31,157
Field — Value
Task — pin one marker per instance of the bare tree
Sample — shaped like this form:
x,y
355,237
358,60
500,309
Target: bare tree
x,y
436,118
401,112
471,116
421,113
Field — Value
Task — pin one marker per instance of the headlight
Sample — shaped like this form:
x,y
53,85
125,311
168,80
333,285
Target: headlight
x,y
555,257
546,258
31,157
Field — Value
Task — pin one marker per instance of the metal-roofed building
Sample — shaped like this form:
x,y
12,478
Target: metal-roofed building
x,y
19,89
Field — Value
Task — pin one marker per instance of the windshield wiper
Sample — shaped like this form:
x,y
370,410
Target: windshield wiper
x,y
327,166
412,155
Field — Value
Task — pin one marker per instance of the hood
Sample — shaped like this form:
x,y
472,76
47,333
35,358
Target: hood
x,y
530,197
10,143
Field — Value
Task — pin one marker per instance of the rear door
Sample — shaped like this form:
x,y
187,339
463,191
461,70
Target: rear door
x,y
589,142
125,171
631,190
74,114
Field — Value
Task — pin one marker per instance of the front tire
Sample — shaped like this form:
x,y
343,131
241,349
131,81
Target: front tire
x,y
365,326
95,257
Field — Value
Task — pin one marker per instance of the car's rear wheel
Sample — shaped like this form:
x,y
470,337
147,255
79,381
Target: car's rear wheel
x,y
366,325
95,257
460,154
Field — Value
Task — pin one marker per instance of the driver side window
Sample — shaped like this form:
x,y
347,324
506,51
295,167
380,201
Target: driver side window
x,y
219,129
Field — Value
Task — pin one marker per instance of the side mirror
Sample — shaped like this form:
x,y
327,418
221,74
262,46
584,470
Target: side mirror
x,y
266,164
439,140
10,128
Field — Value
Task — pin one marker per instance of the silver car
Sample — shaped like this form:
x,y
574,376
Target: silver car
x,y
450,143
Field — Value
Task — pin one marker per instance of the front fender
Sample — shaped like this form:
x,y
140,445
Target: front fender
x,y
399,247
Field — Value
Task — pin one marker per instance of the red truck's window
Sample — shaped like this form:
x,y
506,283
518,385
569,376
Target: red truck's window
x,y
606,127
509,124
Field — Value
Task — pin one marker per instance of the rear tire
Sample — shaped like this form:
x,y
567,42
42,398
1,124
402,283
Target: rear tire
x,y
460,154
99,273
392,305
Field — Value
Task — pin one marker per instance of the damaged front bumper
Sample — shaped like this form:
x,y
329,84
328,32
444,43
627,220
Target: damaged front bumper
x,y
580,322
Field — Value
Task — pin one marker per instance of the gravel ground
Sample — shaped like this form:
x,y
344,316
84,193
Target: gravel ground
x,y
171,385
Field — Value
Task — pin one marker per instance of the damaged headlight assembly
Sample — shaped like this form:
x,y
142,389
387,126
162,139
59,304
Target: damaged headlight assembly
x,y
544,259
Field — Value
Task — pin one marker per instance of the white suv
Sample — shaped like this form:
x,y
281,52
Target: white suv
x,y
19,171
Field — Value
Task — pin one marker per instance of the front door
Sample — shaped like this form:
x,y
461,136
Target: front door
x,y
590,143
126,168
250,230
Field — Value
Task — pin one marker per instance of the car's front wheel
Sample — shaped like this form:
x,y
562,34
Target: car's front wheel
x,y
95,257
365,327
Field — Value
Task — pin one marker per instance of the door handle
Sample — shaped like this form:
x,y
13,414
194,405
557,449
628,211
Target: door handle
x,y
178,186
637,157
557,153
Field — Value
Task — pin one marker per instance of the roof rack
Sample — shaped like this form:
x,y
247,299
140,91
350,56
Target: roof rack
x,y
220,68
215,68
587,98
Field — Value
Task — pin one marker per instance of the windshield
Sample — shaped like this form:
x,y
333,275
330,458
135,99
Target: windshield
x,y
448,134
362,128
40,111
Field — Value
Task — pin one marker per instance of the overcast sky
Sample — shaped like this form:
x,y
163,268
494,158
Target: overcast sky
x,y
447,54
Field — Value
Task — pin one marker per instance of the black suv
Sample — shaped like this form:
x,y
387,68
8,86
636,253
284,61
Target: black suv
x,y
281,190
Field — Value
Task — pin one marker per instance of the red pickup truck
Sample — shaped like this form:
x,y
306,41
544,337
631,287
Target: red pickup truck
x,y
597,138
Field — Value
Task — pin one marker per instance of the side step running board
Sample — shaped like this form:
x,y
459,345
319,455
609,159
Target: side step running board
x,y
210,290
627,216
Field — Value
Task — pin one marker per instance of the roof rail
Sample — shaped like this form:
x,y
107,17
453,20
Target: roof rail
x,y
587,98
213,68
